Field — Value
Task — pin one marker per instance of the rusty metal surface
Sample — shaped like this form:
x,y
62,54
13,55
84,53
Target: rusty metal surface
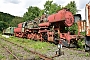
x,y
63,14
88,32
51,18
50,36
87,12
20,25
81,26
18,30
40,31
44,24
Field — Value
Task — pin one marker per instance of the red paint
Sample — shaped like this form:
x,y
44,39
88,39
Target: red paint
x,y
16,34
17,30
21,35
69,19
20,25
61,16
44,24
51,18
28,36
65,36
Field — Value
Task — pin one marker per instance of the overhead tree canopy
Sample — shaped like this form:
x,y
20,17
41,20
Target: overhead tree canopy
x,y
3,25
72,7
50,7
41,12
16,21
32,13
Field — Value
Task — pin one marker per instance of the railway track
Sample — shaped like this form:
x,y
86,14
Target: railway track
x,y
10,52
75,49
29,51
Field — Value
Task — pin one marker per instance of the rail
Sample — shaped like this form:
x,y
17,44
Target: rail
x,y
10,52
40,55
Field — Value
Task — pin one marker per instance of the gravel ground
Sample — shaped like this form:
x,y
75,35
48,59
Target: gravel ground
x,y
21,53
69,54
4,54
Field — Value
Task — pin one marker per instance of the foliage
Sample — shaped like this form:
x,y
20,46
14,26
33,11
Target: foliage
x,y
72,7
41,12
6,17
32,13
3,25
1,56
83,33
74,28
51,7
7,20
27,43
16,21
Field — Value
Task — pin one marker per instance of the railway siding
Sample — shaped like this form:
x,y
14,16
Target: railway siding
x,y
69,54
4,54
23,54
17,52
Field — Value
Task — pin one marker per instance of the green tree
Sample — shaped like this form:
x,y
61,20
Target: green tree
x,y
41,12
6,17
5,20
32,13
74,28
72,7
16,21
3,25
51,7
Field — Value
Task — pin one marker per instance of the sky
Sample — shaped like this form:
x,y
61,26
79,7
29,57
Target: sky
x,y
19,7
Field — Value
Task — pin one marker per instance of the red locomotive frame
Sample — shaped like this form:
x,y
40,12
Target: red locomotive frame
x,y
51,28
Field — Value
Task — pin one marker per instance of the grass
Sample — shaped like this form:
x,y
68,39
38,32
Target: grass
x,y
37,58
19,55
86,55
10,56
36,45
81,43
1,56
43,47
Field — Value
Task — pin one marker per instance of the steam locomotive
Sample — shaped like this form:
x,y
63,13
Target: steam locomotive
x,y
52,28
